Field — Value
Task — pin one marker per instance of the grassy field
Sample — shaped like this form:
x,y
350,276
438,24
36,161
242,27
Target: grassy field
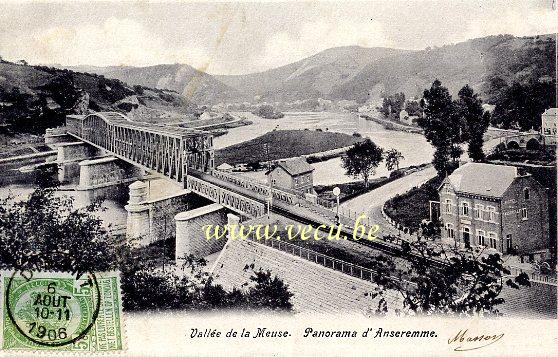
x,y
349,189
283,144
412,207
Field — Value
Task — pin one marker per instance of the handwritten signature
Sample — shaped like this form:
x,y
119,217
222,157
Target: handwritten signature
x,y
467,342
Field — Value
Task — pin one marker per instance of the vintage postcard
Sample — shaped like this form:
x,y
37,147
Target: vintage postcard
x,y
278,178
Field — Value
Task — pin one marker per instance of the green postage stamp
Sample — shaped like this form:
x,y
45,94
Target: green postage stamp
x,y
61,311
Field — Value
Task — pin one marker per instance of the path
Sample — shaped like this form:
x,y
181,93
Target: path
x,y
371,203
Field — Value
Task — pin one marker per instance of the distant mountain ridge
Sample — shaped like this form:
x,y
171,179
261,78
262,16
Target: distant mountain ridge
x,y
312,77
195,85
361,74
33,98
481,63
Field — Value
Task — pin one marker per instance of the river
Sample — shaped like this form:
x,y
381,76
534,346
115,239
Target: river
x,y
414,147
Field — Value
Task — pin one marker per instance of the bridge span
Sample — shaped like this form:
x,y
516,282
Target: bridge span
x,y
169,151
187,156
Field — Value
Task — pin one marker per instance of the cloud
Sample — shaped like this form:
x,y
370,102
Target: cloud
x,y
112,42
284,47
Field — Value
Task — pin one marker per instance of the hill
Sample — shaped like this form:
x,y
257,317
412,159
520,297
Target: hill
x,y
195,85
33,98
487,64
310,78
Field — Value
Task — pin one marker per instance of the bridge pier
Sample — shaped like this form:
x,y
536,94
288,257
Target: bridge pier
x,y
68,157
137,225
105,176
190,233
153,220
56,136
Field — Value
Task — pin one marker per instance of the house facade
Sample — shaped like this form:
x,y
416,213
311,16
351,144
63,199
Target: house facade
x,y
548,121
295,174
494,206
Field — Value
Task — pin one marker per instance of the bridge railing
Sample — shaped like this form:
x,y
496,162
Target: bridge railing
x,y
286,195
225,197
245,182
534,277
342,266
321,259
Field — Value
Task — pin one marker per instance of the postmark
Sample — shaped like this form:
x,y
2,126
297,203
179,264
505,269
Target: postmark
x,y
60,311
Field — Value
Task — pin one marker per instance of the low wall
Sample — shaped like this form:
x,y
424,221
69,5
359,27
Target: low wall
x,y
10,167
316,288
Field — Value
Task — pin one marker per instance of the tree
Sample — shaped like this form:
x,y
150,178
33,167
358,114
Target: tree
x,y
138,89
362,159
461,284
150,289
413,108
443,127
45,232
392,158
470,107
393,104
269,292
521,105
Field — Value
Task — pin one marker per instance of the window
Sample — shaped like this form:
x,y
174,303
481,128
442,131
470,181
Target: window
x,y
448,206
491,213
466,233
479,209
464,208
480,237
448,188
526,193
449,231
523,213
492,239
509,242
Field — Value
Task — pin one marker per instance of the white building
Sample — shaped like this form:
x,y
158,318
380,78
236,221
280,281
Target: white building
x,y
549,119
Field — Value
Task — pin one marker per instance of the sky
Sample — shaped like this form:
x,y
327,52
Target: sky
x,y
246,37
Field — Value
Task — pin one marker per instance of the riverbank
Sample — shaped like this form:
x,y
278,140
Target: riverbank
x,y
391,125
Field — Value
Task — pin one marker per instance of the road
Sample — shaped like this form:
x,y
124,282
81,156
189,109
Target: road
x,y
371,203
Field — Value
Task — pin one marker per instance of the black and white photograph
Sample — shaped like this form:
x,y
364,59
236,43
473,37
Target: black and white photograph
x,y
278,178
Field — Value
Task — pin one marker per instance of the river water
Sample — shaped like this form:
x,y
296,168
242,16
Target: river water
x,y
414,147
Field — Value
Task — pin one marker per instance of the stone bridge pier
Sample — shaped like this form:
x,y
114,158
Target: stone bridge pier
x,y
106,177
151,220
56,136
190,231
68,158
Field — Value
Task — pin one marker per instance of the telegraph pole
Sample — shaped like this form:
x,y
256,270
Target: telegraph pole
x,y
270,197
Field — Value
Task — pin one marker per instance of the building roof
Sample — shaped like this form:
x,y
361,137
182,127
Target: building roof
x,y
224,166
296,166
483,179
551,111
